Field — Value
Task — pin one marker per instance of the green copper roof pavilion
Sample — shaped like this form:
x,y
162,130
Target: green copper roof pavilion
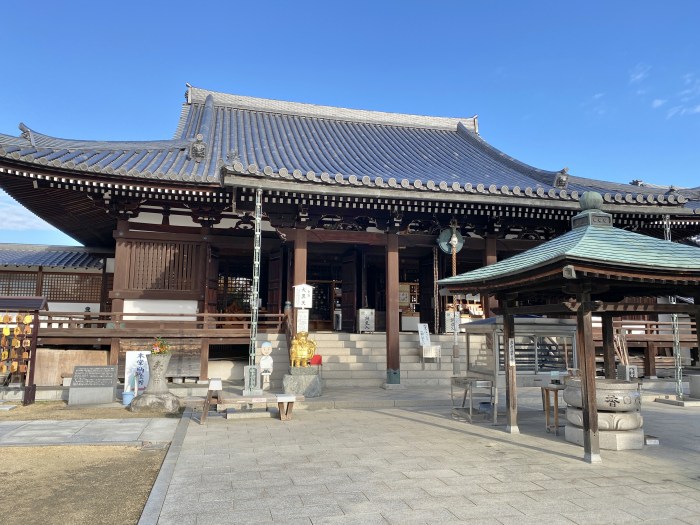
x,y
593,241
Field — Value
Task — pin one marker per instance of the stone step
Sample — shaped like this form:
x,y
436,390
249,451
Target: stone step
x,y
232,413
225,405
359,360
355,383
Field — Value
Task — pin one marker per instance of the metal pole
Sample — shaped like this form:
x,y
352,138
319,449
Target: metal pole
x,y
456,319
436,297
678,365
255,291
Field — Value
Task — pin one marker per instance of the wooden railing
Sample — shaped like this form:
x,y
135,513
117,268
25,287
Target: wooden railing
x,y
650,343
94,328
659,333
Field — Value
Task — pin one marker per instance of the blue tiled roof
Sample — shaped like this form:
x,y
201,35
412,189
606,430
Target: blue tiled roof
x,y
306,143
51,256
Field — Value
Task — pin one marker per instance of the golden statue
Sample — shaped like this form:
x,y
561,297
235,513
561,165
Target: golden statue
x,y
302,350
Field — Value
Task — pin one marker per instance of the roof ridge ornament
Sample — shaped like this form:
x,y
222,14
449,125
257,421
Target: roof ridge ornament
x,y
198,149
561,179
27,133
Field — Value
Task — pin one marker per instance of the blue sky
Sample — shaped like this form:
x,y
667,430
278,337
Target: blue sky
x,y
610,90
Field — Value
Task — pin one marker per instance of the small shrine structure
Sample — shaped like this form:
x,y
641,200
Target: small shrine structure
x,y
588,271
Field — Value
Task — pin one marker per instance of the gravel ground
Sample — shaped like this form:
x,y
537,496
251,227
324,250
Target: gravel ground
x,y
75,484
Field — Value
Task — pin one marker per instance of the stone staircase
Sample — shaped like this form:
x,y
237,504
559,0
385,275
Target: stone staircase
x,y
359,360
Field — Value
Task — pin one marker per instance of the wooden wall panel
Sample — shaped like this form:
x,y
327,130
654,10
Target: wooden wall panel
x,y
53,363
160,265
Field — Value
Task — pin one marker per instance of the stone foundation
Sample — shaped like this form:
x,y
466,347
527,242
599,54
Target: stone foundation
x,y
607,420
303,381
609,439
167,403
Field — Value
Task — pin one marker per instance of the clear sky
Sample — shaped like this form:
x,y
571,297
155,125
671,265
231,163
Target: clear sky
x,y
609,89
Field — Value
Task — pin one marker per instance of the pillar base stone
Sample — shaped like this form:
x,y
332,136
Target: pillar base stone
x,y
609,439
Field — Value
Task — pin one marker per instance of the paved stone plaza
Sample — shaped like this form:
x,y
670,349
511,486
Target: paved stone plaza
x,y
388,462
418,465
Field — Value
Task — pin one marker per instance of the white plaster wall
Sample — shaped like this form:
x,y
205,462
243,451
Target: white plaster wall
x,y
72,307
159,306
157,218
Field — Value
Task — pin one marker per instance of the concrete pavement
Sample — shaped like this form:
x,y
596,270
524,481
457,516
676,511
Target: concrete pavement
x,y
406,465
403,464
87,432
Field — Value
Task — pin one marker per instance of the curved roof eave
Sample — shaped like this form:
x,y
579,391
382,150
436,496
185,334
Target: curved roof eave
x,y
156,160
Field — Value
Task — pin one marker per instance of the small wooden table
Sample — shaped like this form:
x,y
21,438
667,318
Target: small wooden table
x,y
547,404
213,393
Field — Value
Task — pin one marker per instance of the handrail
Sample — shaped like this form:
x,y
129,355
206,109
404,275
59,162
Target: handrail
x,y
288,328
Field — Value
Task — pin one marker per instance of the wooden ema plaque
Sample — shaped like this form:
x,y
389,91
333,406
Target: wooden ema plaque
x,y
17,348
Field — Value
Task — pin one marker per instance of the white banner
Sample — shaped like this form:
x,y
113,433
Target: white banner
x,y
302,320
136,365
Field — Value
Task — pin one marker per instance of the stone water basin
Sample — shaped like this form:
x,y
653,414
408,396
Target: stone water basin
x,y
612,395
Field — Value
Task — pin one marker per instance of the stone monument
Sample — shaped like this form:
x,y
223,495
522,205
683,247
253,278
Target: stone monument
x,y
157,396
93,385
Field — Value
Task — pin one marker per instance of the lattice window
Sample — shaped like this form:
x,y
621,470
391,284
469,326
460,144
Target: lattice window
x,y
17,283
234,294
70,287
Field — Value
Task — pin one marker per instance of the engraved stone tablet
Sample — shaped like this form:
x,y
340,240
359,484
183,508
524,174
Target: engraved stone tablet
x,y
93,385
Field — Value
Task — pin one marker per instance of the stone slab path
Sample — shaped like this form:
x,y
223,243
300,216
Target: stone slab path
x,y
419,466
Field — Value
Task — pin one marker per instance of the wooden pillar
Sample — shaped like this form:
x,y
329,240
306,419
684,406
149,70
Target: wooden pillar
x,y
511,377
104,287
40,281
586,360
650,360
696,317
609,347
490,257
300,257
393,357
299,270
120,283
209,287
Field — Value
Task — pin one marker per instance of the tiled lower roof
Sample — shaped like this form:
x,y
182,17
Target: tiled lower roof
x,y
28,255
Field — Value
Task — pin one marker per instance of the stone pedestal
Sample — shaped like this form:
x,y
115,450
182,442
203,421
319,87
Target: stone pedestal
x,y
618,405
607,420
303,381
694,386
156,396
609,439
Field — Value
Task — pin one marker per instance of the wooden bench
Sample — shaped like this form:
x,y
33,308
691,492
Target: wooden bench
x,y
213,392
285,403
